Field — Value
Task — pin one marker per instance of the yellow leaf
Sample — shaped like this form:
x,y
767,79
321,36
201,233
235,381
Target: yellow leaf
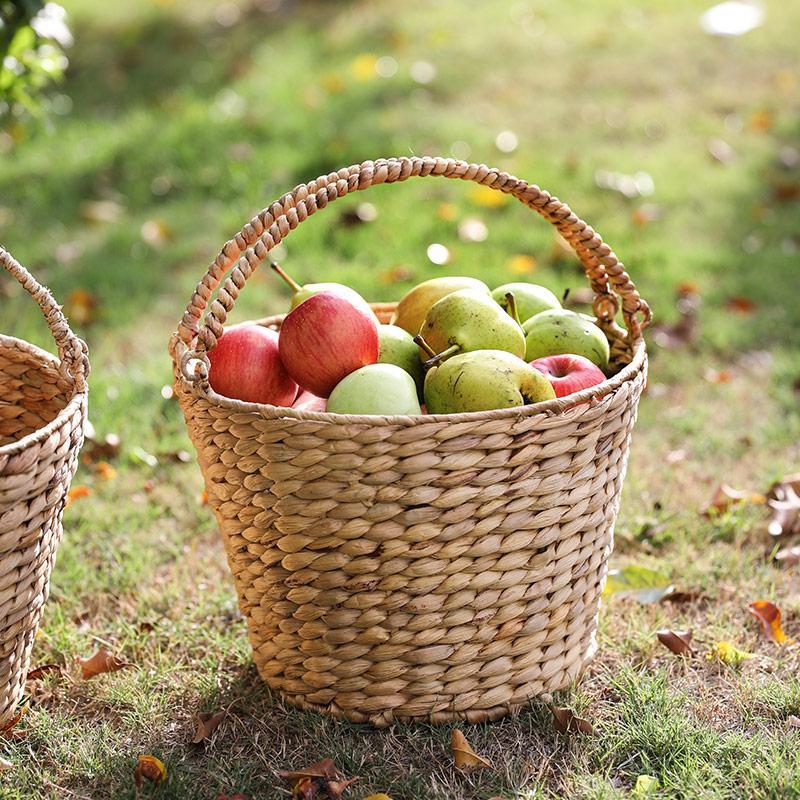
x,y
769,617
379,796
487,197
646,785
333,83
81,306
465,757
728,654
363,67
149,768
521,264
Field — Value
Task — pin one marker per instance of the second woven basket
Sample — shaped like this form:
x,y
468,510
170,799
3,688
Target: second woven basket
x,y
430,567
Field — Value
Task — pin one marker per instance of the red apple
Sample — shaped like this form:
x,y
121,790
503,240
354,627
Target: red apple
x,y
569,373
246,365
326,338
306,401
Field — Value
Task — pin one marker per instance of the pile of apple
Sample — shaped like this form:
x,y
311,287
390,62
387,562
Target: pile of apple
x,y
453,346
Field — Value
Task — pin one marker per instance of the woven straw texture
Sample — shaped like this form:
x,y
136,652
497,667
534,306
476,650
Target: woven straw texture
x,y
42,414
432,567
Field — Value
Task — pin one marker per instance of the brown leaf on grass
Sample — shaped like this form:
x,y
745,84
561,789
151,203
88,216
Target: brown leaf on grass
x,y
717,375
100,449
206,725
104,471
149,768
6,731
565,720
784,500
678,642
768,616
101,662
678,334
81,307
76,493
786,191
465,757
682,597
38,672
741,305
309,782
726,496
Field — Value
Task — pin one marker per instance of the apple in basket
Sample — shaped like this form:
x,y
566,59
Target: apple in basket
x,y
326,338
246,365
307,401
569,373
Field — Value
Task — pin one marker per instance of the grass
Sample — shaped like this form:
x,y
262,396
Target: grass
x,y
192,127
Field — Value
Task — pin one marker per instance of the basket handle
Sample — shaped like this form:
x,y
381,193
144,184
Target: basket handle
x,y
71,350
248,248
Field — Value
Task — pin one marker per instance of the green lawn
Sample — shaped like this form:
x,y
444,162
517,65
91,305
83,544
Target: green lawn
x,y
185,128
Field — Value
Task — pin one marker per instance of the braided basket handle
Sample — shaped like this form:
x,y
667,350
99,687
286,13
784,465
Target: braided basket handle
x,y
71,350
607,276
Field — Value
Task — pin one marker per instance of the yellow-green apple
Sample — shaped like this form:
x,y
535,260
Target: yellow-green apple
x,y
530,298
569,373
397,347
246,365
325,338
484,380
375,389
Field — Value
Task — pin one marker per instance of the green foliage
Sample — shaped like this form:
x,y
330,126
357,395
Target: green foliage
x,y
33,36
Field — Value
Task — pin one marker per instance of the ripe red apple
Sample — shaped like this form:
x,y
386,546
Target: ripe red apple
x,y
246,365
569,373
306,401
326,338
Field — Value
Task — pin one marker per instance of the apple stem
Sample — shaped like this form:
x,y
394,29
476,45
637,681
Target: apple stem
x,y
512,307
288,278
450,351
419,340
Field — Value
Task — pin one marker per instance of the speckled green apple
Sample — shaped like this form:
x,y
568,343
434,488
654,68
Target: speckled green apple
x,y
484,380
468,320
375,389
558,331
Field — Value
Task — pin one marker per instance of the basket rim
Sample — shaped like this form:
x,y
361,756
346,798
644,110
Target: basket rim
x,y
546,408
73,404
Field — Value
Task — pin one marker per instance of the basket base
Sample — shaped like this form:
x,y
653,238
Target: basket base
x,y
563,680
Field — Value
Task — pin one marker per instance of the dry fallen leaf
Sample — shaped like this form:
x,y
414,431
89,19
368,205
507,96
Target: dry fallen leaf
x,y
97,449
322,776
728,654
768,616
206,725
104,471
465,757
77,492
741,305
81,307
565,720
682,597
37,673
725,496
101,662
149,768
784,500
202,498
678,642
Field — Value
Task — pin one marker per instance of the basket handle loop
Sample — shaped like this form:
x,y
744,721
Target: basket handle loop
x,y
71,350
248,248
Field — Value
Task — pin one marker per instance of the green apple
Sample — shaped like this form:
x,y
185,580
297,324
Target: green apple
x,y
397,347
468,320
411,310
558,331
530,298
375,389
484,380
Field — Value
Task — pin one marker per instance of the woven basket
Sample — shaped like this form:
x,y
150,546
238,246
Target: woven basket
x,y
42,414
429,567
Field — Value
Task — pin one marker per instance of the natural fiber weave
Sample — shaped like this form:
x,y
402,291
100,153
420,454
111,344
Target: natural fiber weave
x,y
42,414
430,567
